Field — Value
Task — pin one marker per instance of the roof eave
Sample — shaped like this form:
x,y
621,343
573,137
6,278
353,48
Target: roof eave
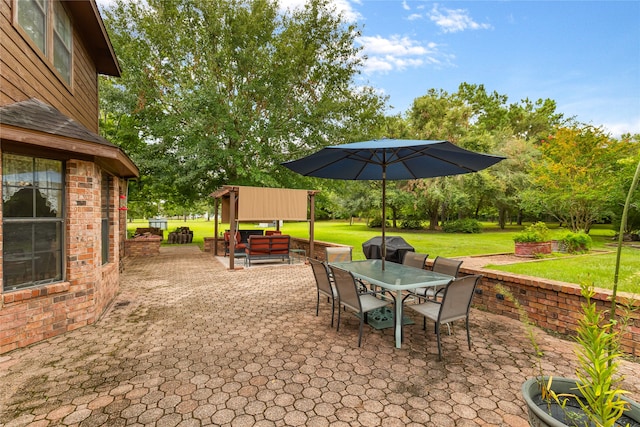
x,y
95,36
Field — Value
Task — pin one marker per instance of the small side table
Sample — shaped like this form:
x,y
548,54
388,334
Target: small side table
x,y
299,254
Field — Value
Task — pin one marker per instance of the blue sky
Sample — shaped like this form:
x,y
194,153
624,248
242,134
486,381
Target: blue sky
x,y
585,55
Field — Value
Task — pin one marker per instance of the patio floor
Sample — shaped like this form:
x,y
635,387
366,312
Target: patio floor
x,y
189,343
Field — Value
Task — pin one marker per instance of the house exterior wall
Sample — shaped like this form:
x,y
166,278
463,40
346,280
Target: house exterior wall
x,y
35,313
26,74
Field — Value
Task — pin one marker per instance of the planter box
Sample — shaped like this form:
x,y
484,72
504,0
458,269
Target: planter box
x,y
530,250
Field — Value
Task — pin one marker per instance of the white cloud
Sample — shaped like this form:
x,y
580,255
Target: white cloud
x,y
620,128
414,16
398,53
341,6
405,6
454,20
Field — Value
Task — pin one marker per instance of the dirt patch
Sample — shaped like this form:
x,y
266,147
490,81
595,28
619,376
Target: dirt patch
x,y
499,259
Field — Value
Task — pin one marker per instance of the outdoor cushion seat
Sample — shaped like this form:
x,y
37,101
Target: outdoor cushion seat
x,y
240,247
268,247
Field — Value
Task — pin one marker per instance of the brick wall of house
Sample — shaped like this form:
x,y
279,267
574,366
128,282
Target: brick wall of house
x,y
31,315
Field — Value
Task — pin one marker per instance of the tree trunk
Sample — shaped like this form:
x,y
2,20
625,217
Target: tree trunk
x,y
502,214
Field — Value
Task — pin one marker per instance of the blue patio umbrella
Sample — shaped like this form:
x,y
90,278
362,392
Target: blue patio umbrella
x,y
391,159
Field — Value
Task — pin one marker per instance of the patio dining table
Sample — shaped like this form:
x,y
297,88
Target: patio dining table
x,y
395,278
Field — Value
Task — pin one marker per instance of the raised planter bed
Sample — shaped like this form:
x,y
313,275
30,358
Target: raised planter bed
x,y
145,245
531,249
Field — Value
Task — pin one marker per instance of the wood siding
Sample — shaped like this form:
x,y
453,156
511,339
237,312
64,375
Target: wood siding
x,y
25,73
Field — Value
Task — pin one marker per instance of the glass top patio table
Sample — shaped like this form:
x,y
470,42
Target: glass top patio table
x,y
395,278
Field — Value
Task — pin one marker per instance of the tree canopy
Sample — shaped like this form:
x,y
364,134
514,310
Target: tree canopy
x,y
219,92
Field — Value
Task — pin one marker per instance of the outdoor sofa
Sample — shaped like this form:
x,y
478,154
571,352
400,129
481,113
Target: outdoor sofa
x,y
274,247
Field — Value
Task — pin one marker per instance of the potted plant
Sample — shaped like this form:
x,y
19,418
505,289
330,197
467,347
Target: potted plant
x,y
532,241
595,397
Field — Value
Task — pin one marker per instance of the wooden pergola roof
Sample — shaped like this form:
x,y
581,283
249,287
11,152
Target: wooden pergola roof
x,y
244,203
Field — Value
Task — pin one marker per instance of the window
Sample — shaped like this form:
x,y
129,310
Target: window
x,y
106,229
49,27
32,224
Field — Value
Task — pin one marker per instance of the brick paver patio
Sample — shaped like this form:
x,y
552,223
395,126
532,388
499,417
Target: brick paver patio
x,y
189,343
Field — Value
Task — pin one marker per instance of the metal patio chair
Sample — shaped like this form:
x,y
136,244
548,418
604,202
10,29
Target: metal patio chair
x,y
350,297
455,305
324,286
415,259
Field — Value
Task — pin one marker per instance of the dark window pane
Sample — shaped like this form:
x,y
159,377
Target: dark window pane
x,y
18,239
104,202
48,266
19,204
17,273
47,236
32,222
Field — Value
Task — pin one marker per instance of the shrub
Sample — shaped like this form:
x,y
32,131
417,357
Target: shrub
x,y
468,225
534,233
411,224
577,242
377,223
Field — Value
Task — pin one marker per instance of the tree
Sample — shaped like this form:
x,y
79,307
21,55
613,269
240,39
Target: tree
x,y
222,91
625,175
575,177
512,178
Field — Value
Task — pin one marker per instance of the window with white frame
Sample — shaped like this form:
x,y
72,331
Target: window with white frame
x,y
32,221
47,24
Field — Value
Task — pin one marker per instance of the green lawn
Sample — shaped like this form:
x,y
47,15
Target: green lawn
x,y
596,267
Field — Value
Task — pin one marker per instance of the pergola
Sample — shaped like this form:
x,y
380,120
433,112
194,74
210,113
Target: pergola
x,y
253,204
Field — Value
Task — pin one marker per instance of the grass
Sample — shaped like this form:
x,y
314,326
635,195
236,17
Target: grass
x,y
593,268
596,267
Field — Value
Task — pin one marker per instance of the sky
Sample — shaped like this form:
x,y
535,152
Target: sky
x,y
585,55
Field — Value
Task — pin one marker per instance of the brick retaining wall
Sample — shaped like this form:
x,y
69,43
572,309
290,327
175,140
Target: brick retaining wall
x,y
550,304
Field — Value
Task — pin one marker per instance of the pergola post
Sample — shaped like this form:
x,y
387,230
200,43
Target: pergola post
x,y
312,216
232,228
215,227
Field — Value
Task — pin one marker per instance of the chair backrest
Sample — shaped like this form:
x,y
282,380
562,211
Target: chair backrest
x,y
446,266
321,273
457,297
226,236
272,232
338,254
346,287
414,259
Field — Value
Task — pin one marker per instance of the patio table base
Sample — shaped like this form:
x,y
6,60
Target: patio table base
x,y
382,318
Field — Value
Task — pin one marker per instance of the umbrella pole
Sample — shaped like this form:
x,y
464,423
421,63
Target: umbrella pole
x,y
384,213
